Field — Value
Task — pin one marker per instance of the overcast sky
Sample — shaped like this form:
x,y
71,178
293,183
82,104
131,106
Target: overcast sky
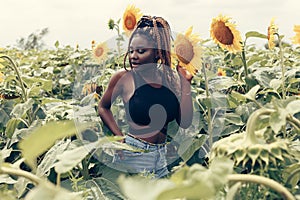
x,y
81,21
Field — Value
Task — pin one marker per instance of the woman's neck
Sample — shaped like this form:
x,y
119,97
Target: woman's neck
x,y
151,76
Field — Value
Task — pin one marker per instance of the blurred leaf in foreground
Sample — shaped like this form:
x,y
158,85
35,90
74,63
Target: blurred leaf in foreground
x,y
42,138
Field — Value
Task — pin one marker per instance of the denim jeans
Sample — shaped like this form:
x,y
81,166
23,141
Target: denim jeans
x,y
151,158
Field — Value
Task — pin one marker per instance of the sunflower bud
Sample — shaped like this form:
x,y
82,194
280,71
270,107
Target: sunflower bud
x,y
111,24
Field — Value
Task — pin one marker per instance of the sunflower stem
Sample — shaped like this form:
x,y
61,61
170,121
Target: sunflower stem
x,y
244,62
15,68
24,98
209,123
19,172
251,124
264,181
282,67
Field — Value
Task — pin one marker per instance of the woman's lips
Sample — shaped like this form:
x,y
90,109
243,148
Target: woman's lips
x,y
134,64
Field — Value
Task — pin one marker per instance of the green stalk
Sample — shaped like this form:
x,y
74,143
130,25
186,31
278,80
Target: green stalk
x,y
294,121
296,171
209,122
24,94
251,124
264,181
282,67
15,68
244,62
58,179
18,172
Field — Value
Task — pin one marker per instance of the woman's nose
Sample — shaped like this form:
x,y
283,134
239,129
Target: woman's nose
x,y
133,55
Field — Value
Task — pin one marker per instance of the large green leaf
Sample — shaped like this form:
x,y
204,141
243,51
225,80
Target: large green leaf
x,y
11,126
48,191
50,157
102,188
293,107
137,188
21,108
43,137
278,119
189,146
252,93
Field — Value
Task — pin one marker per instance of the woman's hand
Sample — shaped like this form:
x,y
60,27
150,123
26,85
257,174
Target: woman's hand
x,y
184,73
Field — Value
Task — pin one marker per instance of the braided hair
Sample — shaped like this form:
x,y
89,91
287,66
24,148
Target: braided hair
x,y
158,30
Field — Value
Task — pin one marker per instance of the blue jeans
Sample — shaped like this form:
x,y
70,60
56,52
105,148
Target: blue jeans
x,y
151,159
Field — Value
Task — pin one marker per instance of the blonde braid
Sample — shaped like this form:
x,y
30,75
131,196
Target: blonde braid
x,y
157,35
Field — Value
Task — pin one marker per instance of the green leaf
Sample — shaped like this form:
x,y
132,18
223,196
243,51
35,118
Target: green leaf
x,y
21,108
48,191
189,146
199,182
233,118
42,138
102,188
252,93
293,107
11,126
56,44
35,82
69,159
50,157
255,34
137,187
277,120
275,83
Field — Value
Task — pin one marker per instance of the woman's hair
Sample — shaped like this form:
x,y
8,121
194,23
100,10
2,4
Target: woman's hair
x,y
157,30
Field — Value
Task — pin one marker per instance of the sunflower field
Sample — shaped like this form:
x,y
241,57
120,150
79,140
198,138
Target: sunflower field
x,y
243,143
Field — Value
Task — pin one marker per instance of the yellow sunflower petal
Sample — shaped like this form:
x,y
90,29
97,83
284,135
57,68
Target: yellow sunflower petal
x,y
188,51
100,52
130,18
296,38
225,34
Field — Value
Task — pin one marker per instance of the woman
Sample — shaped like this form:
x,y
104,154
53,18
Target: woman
x,y
153,95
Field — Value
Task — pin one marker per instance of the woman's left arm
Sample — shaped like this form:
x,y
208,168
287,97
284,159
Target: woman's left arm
x,y
186,103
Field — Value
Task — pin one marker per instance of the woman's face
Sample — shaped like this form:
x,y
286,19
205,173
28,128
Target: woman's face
x,y
142,52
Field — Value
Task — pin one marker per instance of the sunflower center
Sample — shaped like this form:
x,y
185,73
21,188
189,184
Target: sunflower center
x,y
222,33
130,21
99,52
184,51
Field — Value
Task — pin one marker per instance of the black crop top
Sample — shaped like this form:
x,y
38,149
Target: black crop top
x,y
150,106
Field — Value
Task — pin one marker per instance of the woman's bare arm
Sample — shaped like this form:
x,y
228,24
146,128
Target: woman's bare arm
x,y
186,103
113,90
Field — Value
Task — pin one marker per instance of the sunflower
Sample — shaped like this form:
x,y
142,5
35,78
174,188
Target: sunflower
x,y
272,29
225,34
100,52
188,51
296,38
130,18
221,72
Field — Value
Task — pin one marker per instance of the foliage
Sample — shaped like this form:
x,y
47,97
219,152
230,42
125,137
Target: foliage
x,y
244,124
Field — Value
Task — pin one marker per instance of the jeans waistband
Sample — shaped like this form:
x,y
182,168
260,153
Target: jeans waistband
x,y
142,144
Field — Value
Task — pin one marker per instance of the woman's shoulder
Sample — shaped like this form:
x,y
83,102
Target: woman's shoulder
x,y
122,74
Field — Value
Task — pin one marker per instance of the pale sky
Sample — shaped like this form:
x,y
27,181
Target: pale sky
x,y
81,21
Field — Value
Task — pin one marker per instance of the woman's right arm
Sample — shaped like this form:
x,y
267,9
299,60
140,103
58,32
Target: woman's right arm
x,y
113,90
